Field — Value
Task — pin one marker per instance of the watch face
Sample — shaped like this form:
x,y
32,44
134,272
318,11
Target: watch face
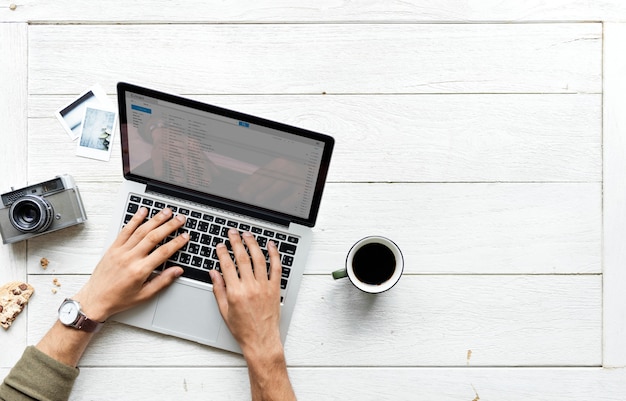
x,y
68,312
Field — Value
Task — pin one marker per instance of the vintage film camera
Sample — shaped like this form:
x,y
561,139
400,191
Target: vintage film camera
x,y
40,209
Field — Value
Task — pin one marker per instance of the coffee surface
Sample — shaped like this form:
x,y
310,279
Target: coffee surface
x,y
374,263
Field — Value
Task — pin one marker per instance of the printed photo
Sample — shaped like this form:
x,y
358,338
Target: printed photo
x,y
71,116
97,134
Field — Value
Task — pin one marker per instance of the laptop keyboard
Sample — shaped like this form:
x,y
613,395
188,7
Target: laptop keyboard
x,y
206,231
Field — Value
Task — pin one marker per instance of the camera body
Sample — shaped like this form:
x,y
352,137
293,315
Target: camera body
x,y
40,208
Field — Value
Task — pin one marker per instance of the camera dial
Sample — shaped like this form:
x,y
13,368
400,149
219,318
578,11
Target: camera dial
x,y
31,214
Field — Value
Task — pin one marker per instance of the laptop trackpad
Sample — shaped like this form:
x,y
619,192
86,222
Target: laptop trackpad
x,y
188,311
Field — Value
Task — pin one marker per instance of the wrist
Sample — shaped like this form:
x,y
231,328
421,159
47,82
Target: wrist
x,y
92,308
265,356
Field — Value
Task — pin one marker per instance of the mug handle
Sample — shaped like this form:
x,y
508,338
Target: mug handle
x,y
337,274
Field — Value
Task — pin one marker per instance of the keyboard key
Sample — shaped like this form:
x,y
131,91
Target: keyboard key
x,y
262,241
147,202
196,274
233,224
268,233
135,198
159,205
183,211
244,227
293,240
220,220
208,264
184,258
203,226
287,260
193,248
207,217
215,229
174,208
132,208
287,248
205,251
256,230
195,214
191,223
205,239
281,237
196,261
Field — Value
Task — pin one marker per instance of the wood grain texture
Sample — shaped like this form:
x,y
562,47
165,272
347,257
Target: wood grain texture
x,y
458,384
427,138
614,197
442,228
248,11
334,58
455,384
423,321
13,158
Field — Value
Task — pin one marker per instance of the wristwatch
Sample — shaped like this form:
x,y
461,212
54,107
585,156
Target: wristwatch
x,y
71,316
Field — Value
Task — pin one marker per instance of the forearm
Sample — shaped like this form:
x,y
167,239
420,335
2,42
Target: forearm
x,y
269,379
65,344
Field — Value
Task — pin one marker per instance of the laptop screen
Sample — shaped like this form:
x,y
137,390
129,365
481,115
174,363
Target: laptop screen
x,y
224,154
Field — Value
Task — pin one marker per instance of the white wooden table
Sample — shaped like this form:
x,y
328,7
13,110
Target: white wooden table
x,y
488,138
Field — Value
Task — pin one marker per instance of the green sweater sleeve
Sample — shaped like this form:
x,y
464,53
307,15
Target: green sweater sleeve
x,y
37,376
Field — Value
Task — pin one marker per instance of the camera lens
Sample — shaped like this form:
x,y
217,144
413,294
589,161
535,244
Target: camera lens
x,y
31,214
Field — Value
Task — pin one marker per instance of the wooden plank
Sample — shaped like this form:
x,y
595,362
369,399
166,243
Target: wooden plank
x,y
13,156
248,11
614,217
457,384
535,320
427,138
443,228
310,383
467,228
333,58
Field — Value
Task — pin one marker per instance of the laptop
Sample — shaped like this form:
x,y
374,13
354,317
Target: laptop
x,y
221,169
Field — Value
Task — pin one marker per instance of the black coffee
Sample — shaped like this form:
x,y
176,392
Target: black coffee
x,y
374,263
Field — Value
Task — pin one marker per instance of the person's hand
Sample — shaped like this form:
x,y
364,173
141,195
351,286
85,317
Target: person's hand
x,y
250,305
120,280
250,301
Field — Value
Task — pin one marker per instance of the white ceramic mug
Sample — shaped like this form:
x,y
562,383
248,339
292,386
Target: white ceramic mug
x,y
374,264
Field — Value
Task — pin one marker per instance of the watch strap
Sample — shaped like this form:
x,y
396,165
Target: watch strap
x,y
85,324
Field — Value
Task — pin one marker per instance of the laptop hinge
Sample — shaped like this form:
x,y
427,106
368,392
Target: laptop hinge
x,y
219,204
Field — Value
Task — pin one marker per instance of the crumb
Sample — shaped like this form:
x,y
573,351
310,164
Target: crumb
x,y
54,290
56,282
44,263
